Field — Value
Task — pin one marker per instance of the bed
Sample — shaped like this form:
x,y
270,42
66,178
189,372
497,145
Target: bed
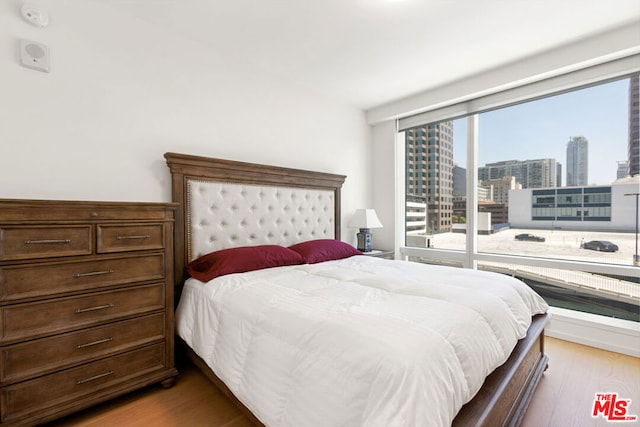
x,y
316,342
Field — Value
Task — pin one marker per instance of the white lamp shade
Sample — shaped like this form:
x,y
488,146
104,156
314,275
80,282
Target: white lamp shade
x,y
365,218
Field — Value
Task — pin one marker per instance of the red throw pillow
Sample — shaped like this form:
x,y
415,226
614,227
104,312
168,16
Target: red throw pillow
x,y
314,251
240,260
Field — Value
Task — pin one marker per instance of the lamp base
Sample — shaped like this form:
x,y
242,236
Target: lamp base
x,y
364,240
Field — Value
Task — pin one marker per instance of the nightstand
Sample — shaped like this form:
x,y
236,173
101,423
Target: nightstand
x,y
378,253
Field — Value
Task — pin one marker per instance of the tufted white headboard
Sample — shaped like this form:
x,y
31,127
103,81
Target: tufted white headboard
x,y
227,204
222,215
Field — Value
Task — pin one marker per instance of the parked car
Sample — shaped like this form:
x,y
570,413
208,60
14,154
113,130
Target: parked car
x,y
529,237
601,245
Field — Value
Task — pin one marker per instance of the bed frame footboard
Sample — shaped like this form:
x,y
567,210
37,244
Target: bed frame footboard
x,y
507,392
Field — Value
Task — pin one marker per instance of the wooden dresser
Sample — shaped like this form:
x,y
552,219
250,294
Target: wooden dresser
x,y
86,304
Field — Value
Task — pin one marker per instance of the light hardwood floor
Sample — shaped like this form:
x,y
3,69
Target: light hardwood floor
x,y
564,397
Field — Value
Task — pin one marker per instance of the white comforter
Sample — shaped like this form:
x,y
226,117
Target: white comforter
x,y
356,342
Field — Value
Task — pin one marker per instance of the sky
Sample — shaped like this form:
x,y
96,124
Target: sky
x,y
541,129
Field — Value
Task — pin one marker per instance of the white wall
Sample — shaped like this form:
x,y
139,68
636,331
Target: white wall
x,y
384,187
121,93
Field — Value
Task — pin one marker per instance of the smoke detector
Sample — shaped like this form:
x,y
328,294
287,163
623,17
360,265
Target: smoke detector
x,y
35,15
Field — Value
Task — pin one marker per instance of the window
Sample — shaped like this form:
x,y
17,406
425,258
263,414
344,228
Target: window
x,y
546,167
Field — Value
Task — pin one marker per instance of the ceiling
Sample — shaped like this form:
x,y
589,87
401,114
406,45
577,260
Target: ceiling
x,y
366,53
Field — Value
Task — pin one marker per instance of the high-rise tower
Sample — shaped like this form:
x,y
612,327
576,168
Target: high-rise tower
x,y
538,173
623,169
634,125
577,161
429,170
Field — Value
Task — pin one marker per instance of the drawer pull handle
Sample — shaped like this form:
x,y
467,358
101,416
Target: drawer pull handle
x,y
91,344
98,307
95,377
146,236
93,273
33,242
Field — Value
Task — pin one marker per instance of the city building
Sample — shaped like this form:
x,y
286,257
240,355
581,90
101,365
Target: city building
x,y
499,211
499,188
459,214
459,181
460,209
483,194
623,169
594,208
634,125
539,173
416,219
429,172
577,161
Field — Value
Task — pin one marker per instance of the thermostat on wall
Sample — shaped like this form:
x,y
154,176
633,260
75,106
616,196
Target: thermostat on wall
x,y
34,55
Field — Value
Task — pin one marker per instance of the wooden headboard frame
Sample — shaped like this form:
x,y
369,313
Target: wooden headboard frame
x,y
185,167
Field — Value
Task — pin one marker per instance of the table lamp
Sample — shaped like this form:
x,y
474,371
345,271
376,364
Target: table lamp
x,y
365,220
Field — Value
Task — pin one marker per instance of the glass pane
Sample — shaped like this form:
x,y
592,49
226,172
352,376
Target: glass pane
x,y
553,176
557,179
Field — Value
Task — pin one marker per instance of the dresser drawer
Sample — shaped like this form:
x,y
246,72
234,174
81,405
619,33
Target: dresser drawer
x,y
25,399
44,241
119,238
46,279
32,320
38,357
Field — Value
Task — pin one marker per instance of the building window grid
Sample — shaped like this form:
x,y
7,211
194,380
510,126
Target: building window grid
x,y
568,205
